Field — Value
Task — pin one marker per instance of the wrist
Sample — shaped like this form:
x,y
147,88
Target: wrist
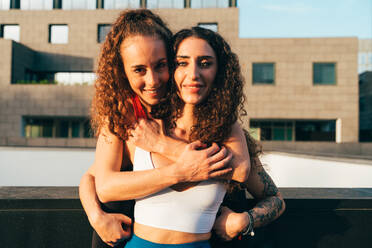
x,y
174,174
96,217
248,229
245,224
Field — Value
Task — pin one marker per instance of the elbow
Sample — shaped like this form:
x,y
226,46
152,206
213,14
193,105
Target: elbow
x,y
242,173
103,192
84,181
102,195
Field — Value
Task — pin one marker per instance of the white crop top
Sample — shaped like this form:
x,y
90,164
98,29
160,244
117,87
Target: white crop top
x,y
193,210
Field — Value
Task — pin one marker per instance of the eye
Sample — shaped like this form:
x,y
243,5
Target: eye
x,y
139,70
162,65
181,63
205,64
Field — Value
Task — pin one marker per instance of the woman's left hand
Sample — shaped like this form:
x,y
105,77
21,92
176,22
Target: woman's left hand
x,y
230,224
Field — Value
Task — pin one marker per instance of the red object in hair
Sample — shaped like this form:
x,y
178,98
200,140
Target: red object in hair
x,y
139,112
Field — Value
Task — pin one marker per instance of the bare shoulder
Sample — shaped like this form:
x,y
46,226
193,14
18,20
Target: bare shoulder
x,y
237,144
236,134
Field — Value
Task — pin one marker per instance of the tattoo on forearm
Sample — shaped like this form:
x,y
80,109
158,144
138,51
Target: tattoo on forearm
x,y
271,206
269,186
267,210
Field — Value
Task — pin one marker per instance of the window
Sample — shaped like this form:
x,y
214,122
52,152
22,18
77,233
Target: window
x,y
35,128
10,32
70,78
75,129
362,58
56,127
67,78
316,130
103,30
121,4
62,128
87,130
165,4
197,4
324,73
36,4
58,34
4,4
36,77
362,104
263,73
80,4
211,26
273,130
298,130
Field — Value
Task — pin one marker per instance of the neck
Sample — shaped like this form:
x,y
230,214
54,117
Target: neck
x,y
186,121
146,106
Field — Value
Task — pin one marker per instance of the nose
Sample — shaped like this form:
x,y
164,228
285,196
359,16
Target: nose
x,y
152,79
194,71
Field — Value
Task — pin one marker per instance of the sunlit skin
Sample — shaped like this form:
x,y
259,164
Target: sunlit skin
x,y
196,70
146,67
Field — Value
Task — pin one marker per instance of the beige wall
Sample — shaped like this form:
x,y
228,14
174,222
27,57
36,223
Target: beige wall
x,y
5,62
293,96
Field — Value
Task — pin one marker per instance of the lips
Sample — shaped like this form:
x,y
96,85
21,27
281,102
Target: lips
x,y
193,86
153,91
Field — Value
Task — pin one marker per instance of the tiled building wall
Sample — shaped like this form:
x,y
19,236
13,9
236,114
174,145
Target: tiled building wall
x,y
82,47
5,62
293,95
40,100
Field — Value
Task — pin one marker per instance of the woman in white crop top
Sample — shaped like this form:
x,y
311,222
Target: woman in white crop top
x,y
204,105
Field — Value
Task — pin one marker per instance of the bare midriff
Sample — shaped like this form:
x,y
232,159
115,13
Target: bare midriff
x,y
164,236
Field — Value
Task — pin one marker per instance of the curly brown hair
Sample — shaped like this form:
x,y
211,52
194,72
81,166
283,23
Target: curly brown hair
x,y
110,105
224,105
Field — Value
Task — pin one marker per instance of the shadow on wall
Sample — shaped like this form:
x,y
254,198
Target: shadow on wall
x,y
28,64
62,62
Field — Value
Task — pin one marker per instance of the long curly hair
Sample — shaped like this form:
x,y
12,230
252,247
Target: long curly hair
x,y
224,105
110,105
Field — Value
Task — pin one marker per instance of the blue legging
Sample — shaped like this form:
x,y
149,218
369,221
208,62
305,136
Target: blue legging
x,y
137,242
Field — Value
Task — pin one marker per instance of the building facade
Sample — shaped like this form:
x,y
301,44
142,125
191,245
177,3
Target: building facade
x,y
297,89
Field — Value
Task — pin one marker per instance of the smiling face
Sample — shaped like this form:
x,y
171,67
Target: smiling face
x,y
146,67
196,69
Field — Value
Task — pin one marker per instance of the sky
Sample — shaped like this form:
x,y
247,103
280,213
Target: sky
x,y
305,18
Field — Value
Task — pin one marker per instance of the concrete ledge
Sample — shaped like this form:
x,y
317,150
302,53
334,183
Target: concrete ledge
x,y
348,150
315,217
49,142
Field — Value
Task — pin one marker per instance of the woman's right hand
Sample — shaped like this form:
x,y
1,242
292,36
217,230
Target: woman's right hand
x,y
198,163
113,228
147,134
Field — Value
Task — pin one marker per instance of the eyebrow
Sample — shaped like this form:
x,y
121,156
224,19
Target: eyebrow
x,y
140,65
200,57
